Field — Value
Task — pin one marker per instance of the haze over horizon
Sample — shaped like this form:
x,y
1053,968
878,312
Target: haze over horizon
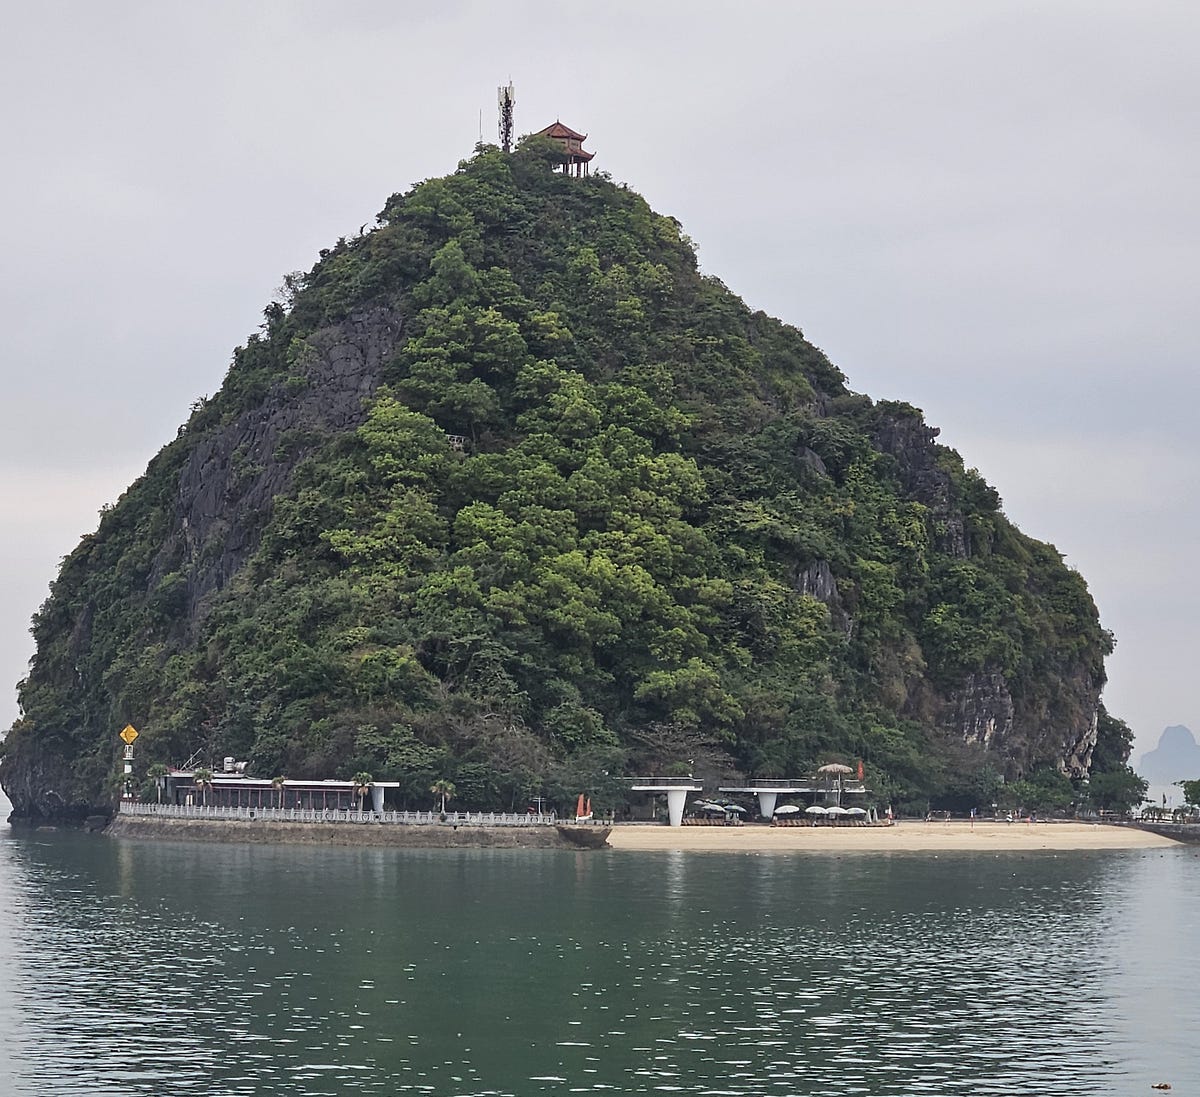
x,y
984,210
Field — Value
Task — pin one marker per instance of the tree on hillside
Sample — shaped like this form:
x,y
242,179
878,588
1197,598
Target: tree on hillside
x,y
203,780
1043,790
362,785
158,774
1119,790
1114,742
1191,792
445,789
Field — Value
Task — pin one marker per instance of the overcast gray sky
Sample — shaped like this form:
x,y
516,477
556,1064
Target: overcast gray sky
x,y
987,209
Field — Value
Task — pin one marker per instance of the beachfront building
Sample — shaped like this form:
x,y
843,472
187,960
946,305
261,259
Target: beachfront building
x,y
833,785
768,792
231,789
675,789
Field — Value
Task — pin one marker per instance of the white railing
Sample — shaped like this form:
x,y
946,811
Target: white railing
x,y
338,815
687,782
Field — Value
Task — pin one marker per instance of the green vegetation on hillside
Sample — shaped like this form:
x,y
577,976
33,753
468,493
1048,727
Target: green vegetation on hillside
x,y
671,533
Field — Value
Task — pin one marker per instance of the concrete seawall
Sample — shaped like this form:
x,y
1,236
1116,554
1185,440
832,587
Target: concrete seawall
x,y
360,834
1179,832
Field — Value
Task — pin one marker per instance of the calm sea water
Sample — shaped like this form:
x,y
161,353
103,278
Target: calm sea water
x,y
166,968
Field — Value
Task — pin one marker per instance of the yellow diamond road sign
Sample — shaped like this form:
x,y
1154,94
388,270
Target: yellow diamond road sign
x,y
129,734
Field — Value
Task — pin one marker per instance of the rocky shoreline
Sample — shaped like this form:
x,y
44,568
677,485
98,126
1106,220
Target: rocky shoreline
x,y
447,836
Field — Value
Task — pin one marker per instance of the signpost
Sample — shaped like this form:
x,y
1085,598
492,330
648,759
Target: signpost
x,y
128,734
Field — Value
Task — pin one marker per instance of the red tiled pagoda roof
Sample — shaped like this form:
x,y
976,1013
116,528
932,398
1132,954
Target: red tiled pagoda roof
x,y
557,129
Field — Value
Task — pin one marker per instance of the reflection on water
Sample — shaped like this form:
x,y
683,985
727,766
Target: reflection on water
x,y
146,968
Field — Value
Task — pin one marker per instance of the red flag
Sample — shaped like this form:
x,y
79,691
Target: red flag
x,y
579,807
860,769
587,814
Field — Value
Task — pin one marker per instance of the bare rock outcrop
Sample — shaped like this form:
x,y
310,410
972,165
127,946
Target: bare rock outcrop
x,y
232,476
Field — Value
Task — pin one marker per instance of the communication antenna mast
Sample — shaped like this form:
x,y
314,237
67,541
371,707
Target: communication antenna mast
x,y
508,100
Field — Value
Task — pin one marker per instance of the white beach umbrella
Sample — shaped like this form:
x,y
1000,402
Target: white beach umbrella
x,y
816,809
787,809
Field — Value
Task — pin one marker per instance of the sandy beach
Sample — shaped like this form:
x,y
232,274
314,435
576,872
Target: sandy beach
x,y
905,837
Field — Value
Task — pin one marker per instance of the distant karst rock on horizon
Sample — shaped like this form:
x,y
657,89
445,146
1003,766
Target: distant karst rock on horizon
x,y
1176,758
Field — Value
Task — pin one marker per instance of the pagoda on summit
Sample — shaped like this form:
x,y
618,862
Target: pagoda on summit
x,y
576,159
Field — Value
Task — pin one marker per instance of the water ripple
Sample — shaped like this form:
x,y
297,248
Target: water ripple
x,y
144,968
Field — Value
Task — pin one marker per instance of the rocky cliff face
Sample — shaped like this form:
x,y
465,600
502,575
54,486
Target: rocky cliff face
x,y
980,709
220,501
49,785
906,438
233,474
983,713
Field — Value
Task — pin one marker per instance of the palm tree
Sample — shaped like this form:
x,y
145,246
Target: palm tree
x,y
362,785
203,780
158,772
277,784
445,789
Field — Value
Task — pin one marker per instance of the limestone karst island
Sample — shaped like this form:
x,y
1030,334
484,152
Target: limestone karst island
x,y
506,498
